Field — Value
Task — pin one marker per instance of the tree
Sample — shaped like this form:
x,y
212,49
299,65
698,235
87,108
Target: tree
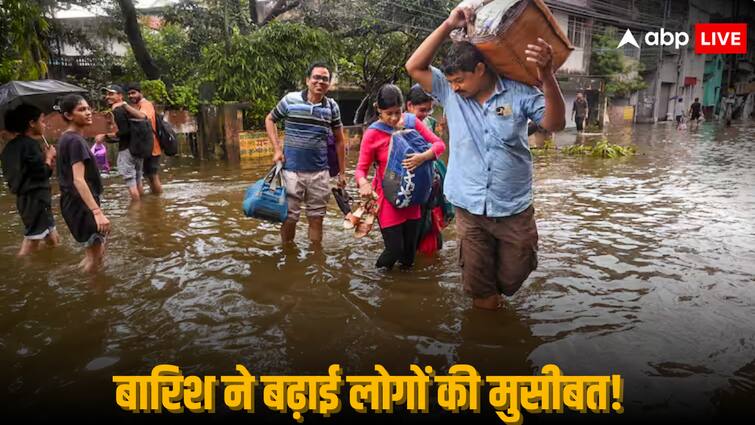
x,y
349,18
23,54
376,37
171,51
622,74
28,37
135,39
371,60
263,65
203,24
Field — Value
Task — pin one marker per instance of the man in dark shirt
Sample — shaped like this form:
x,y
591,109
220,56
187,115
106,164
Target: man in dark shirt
x,y
129,166
27,171
694,113
580,111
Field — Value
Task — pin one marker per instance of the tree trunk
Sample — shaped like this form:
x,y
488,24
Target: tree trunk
x,y
134,34
253,12
279,7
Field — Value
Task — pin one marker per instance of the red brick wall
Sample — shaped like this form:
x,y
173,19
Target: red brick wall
x,y
102,123
183,122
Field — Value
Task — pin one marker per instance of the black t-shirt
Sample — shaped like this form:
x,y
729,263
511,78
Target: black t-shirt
x,y
72,148
695,108
24,167
580,108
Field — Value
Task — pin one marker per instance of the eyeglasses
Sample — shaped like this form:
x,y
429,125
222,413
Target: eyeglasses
x,y
323,78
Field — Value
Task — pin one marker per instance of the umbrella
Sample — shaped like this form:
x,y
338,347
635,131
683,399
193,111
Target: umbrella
x,y
41,93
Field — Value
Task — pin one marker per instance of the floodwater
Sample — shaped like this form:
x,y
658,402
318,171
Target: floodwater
x,y
647,269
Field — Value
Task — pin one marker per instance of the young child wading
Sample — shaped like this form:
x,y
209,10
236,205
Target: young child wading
x,y
27,171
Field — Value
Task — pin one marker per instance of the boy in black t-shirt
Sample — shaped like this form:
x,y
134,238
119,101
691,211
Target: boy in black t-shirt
x,y
27,170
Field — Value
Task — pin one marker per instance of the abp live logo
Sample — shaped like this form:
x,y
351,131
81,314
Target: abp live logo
x,y
721,38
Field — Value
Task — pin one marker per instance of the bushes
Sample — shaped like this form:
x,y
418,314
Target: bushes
x,y
155,91
179,97
184,97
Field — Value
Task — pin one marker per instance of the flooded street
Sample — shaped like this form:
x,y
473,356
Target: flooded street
x,y
647,269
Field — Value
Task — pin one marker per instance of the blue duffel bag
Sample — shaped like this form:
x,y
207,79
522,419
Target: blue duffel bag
x,y
401,187
266,199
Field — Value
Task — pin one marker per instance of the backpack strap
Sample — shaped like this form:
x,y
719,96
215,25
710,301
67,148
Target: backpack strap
x,y
410,121
158,119
381,126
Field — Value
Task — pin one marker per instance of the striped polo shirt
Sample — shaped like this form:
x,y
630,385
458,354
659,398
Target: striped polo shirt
x,y
307,126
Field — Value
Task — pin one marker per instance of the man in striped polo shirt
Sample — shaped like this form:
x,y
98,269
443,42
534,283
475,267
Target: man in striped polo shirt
x,y
309,117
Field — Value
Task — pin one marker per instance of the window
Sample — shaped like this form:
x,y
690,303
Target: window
x,y
576,31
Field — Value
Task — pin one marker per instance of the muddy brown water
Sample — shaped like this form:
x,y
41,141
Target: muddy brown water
x,y
647,269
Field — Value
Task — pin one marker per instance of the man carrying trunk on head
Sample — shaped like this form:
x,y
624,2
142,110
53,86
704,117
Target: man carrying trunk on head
x,y
489,178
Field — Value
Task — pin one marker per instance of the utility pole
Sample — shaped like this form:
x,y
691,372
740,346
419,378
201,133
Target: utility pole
x,y
659,68
732,58
681,64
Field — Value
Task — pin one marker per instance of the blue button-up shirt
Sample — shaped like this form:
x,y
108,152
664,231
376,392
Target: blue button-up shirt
x,y
490,164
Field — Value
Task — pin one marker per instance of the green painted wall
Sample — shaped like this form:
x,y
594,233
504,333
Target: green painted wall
x,y
714,72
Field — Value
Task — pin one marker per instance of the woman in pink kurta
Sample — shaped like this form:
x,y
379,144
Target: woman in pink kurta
x,y
399,226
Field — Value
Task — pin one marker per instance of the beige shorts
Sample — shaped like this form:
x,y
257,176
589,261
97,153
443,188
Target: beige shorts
x,y
308,189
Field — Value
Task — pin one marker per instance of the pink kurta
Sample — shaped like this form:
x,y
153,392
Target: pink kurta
x,y
374,148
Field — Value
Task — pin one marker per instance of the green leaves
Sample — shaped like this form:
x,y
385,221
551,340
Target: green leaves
x,y
171,50
155,91
257,67
622,74
548,146
23,54
576,150
184,97
261,66
602,149
374,59
180,96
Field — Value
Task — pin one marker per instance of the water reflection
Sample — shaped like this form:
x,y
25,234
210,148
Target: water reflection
x,y
646,269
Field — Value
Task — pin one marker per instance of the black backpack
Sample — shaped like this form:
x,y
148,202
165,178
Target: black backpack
x,y
142,141
166,135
